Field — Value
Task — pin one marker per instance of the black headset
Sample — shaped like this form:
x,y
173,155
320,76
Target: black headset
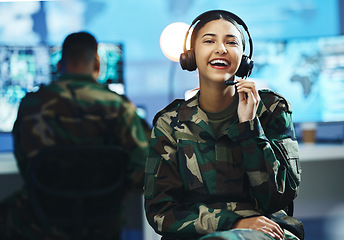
x,y
187,58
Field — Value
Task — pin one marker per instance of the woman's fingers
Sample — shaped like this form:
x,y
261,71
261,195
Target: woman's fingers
x,y
262,224
273,229
247,86
248,100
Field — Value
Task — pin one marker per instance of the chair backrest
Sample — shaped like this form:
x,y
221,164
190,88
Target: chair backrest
x,y
76,186
290,209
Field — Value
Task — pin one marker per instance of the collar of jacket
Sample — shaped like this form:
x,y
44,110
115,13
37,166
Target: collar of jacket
x,y
190,111
76,77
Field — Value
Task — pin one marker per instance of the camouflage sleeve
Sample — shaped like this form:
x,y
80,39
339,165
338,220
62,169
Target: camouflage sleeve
x,y
24,133
136,133
17,142
270,154
165,208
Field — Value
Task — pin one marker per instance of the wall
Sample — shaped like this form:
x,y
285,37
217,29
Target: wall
x,y
138,25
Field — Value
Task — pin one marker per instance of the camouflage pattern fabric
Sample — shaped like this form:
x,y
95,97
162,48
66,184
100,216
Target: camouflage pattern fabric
x,y
243,234
76,110
197,183
237,234
18,222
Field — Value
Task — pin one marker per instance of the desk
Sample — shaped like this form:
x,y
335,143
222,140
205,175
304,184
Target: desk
x,y
8,164
321,188
308,153
322,166
321,152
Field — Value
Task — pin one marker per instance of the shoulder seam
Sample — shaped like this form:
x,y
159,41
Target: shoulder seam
x,y
172,105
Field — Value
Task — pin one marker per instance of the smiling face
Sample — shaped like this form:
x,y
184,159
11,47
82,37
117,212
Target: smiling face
x,y
218,51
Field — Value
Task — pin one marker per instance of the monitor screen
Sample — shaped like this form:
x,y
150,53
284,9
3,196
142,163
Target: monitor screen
x,y
111,62
309,73
25,68
22,69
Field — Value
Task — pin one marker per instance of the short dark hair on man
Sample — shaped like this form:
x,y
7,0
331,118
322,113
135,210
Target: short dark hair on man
x,y
79,47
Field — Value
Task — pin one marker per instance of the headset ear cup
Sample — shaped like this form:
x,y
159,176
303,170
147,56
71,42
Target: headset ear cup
x,y
245,68
188,61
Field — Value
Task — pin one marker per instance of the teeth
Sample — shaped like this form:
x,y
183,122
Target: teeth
x,y
219,61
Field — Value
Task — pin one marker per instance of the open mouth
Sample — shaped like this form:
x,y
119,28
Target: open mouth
x,y
219,63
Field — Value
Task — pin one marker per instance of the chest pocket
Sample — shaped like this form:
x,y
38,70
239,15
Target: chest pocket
x,y
189,168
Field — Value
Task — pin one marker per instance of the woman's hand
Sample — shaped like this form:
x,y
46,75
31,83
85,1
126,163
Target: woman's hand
x,y
248,100
262,224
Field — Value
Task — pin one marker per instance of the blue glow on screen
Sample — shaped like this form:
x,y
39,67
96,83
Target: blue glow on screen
x,y
24,69
309,72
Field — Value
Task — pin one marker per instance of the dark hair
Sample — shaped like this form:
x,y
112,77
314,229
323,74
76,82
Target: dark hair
x,y
79,47
211,16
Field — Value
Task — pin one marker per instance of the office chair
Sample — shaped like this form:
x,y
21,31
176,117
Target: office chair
x,y
76,186
290,209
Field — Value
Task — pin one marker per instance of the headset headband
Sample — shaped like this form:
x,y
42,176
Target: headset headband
x,y
237,19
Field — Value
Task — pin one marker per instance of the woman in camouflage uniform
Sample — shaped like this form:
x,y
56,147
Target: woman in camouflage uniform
x,y
225,162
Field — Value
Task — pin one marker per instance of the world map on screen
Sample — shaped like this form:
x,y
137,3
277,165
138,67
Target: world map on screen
x,y
308,72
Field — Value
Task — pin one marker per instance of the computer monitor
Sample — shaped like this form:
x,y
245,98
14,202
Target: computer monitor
x,y
22,69
111,62
309,72
25,68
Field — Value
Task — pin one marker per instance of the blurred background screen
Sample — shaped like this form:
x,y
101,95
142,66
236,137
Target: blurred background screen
x,y
25,68
309,72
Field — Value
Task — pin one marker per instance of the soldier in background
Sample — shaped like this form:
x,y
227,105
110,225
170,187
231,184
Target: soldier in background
x,y
223,164
74,110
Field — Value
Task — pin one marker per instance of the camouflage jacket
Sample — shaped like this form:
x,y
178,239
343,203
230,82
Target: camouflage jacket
x,y
76,110
196,183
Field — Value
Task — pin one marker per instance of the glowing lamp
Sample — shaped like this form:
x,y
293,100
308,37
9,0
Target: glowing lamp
x,y
172,40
